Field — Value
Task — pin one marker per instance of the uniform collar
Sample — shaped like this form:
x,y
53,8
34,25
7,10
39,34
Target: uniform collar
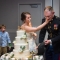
x,y
53,18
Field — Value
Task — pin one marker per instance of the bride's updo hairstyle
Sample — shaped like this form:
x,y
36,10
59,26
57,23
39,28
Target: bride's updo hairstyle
x,y
23,15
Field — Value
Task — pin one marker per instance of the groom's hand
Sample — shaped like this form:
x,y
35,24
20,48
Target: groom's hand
x,y
47,42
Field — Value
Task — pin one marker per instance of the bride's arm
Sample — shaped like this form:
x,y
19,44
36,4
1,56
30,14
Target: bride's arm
x,y
33,29
33,33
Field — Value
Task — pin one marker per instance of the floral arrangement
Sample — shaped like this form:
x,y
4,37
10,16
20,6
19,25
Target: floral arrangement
x,y
7,56
24,36
10,56
22,48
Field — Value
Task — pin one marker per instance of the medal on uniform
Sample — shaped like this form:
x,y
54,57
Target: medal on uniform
x,y
49,27
55,26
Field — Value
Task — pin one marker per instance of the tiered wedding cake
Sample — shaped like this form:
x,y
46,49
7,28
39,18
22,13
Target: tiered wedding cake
x,y
21,47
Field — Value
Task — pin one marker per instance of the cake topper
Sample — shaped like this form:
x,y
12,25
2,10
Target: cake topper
x,y
19,27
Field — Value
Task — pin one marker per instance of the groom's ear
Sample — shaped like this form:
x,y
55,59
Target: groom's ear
x,y
53,12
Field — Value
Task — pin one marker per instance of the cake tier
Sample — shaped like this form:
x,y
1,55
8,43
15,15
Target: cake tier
x,y
20,40
20,32
18,55
18,46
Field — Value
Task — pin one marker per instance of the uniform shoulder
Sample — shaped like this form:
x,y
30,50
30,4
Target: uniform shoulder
x,y
58,18
43,19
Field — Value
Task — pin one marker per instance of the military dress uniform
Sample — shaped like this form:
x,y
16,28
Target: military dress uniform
x,y
53,29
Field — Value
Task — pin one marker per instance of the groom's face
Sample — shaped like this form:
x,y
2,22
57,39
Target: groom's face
x,y
48,14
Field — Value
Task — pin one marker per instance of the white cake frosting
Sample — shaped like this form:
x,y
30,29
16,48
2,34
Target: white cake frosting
x,y
21,46
17,46
18,55
20,40
20,32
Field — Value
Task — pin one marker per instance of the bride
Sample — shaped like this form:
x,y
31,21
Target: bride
x,y
27,26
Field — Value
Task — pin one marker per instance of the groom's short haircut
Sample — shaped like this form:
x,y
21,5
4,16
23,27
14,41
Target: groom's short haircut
x,y
50,8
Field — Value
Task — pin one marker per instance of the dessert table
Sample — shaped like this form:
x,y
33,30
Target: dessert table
x,y
11,57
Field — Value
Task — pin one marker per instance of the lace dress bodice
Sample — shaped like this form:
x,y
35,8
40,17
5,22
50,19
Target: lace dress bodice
x,y
29,36
31,41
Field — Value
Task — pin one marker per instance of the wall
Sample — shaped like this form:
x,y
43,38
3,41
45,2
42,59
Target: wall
x,y
9,11
48,3
56,7
59,8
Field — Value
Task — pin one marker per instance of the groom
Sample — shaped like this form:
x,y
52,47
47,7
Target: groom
x,y
52,44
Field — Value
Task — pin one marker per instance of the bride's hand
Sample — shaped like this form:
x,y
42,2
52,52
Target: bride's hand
x,y
36,47
35,35
47,20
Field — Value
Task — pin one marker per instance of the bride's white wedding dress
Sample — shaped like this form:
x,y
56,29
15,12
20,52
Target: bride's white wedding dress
x,y
32,44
